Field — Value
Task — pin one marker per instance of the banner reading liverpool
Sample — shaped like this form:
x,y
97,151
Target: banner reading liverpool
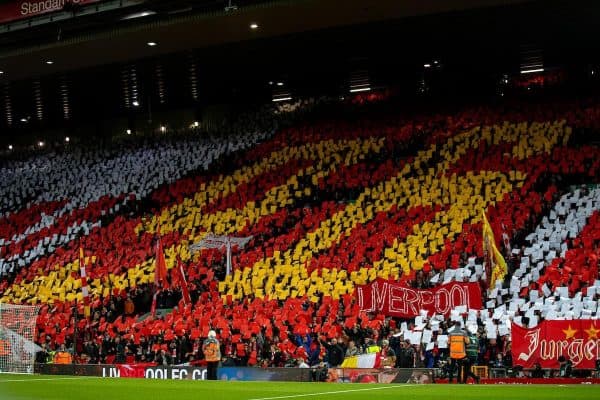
x,y
577,340
395,300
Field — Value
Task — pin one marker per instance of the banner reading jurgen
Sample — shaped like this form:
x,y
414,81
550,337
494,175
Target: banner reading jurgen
x,y
395,300
14,10
577,340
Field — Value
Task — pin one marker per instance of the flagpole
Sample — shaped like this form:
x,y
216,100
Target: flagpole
x,y
76,312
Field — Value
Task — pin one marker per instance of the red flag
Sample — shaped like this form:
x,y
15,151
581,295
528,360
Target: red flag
x,y
160,268
183,284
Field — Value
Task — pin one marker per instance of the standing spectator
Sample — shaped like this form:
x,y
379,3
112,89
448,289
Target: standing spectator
x,y
458,351
164,358
129,307
91,349
314,352
406,358
335,353
388,356
471,358
119,351
40,357
565,367
212,354
352,350
537,372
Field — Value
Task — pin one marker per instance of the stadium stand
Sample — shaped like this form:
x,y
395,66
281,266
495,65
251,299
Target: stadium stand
x,y
330,205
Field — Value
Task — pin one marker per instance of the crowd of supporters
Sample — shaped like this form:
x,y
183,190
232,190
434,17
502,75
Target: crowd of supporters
x,y
45,221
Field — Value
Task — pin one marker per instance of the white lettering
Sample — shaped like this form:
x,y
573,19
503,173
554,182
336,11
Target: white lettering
x,y
407,301
457,296
442,307
177,373
38,7
397,303
112,373
534,337
379,297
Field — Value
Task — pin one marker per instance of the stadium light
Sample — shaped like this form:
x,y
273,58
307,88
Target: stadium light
x,y
163,128
196,124
362,89
139,14
531,71
49,62
10,147
129,131
136,103
151,44
427,65
23,119
254,25
67,139
41,144
2,72
279,83
282,99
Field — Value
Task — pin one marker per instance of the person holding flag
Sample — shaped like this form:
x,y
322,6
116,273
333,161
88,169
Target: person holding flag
x,y
495,265
84,285
160,271
178,279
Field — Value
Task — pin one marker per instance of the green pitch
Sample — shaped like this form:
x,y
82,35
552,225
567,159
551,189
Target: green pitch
x,y
26,387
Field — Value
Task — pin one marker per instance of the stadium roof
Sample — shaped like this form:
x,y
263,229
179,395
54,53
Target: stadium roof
x,y
79,68
105,38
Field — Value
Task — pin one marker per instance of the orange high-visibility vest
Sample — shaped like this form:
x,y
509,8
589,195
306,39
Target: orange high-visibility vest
x,y
63,357
458,348
211,350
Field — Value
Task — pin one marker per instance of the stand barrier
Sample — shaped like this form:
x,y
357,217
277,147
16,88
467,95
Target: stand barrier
x,y
149,371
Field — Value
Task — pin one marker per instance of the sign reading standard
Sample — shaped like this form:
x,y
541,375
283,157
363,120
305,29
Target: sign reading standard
x,y
15,10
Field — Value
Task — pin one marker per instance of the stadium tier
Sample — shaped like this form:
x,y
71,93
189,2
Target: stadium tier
x,y
330,206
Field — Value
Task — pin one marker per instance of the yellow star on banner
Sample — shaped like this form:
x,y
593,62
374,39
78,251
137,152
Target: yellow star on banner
x,y
592,332
570,332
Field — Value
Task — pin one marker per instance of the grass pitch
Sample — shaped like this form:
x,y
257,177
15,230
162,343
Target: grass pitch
x,y
26,387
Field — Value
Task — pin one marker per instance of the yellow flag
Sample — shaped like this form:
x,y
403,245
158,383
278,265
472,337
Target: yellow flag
x,y
495,266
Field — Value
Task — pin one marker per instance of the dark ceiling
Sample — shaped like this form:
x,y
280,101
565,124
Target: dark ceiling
x,y
101,67
106,39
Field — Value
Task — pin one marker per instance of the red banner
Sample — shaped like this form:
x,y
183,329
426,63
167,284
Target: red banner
x,y
395,300
15,10
576,340
133,370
